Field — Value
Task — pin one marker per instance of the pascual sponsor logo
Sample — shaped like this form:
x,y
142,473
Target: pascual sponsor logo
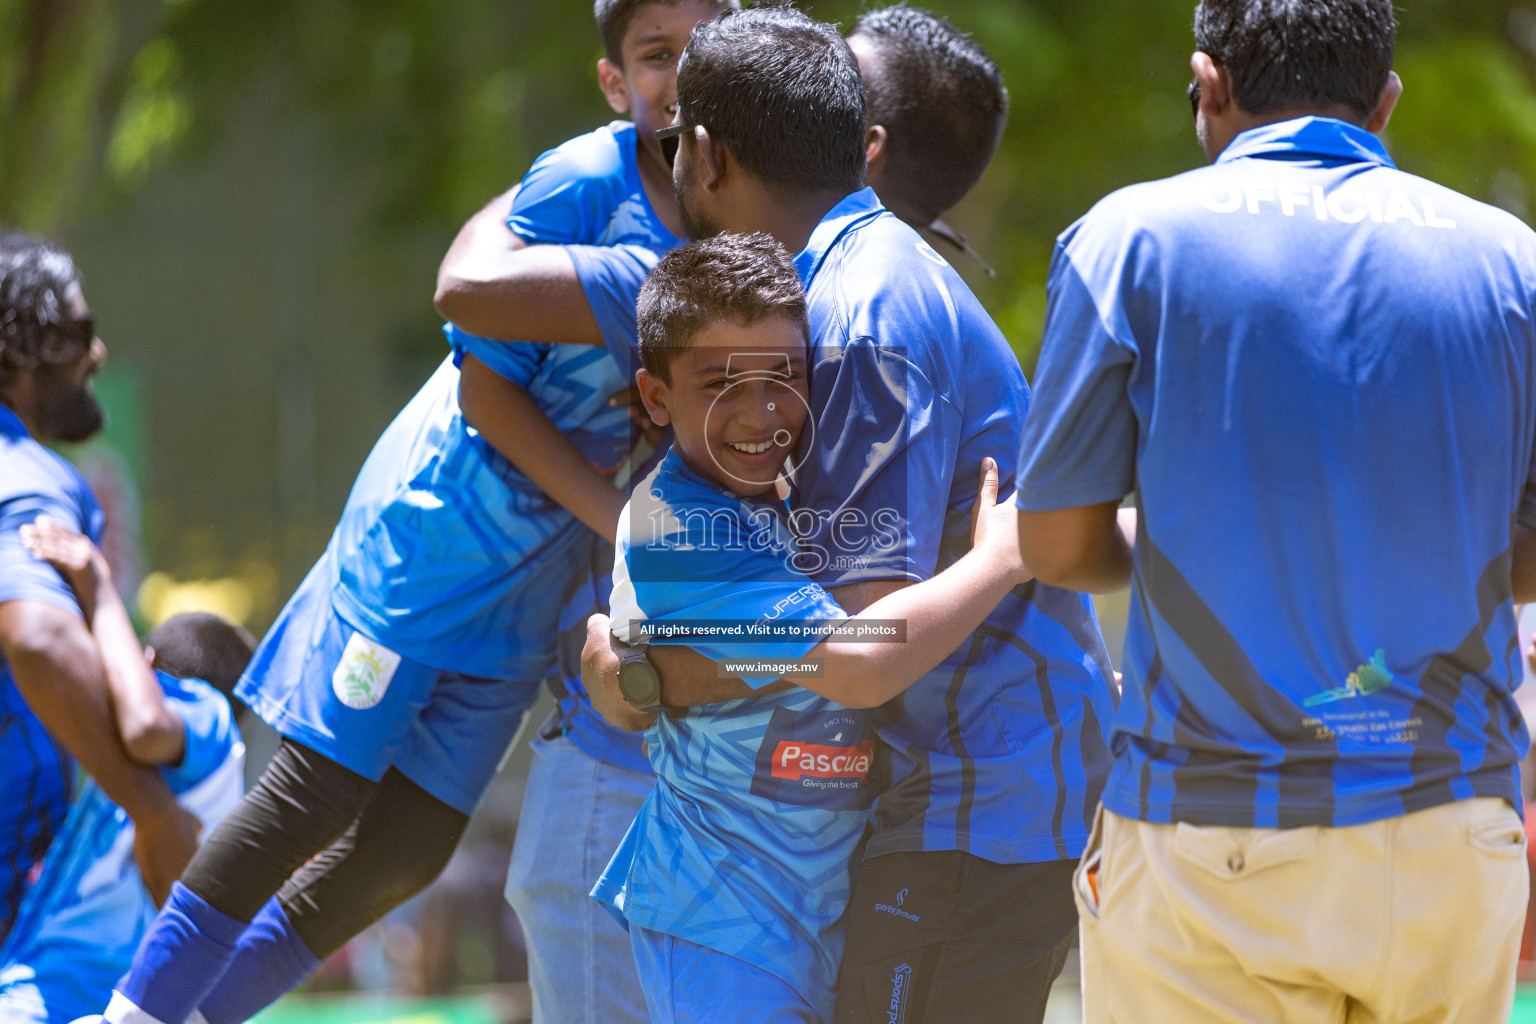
x,y
901,897
798,761
901,991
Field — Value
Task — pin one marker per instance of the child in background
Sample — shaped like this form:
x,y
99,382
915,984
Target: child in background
x,y
79,924
736,873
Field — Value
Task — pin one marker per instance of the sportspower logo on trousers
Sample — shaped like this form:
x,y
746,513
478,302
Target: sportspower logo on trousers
x,y
363,675
901,992
901,897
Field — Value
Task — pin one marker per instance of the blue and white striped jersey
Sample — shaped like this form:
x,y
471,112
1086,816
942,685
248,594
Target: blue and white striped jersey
x,y
746,844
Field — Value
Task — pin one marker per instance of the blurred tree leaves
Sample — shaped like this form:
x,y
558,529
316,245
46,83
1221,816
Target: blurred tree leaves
x,y
55,65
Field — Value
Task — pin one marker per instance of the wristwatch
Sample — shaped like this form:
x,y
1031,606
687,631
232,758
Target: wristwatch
x,y
638,681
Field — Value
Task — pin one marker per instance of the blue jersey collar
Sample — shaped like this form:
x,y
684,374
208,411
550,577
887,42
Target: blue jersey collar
x,y
1323,137
853,210
11,425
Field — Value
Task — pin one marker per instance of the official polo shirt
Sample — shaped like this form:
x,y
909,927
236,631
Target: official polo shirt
x,y
1318,374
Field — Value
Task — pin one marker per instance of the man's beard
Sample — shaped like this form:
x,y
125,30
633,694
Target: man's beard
x,y
66,410
696,223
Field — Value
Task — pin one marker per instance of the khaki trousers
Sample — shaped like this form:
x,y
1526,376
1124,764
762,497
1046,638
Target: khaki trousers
x,y
1412,920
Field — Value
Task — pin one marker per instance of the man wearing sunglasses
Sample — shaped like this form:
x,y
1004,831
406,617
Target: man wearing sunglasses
x,y
997,756
54,699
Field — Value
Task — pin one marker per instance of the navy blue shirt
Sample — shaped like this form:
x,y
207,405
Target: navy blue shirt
x,y
35,773
1002,750
1318,373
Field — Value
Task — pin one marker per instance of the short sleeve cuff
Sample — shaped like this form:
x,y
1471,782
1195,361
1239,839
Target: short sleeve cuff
x,y
1049,499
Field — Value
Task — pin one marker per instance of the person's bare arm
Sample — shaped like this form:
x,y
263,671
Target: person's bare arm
x,y
512,423
57,667
939,612
1087,549
1523,564
492,284
688,678
152,733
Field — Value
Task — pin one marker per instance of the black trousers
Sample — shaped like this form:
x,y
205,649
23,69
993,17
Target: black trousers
x,y
949,938
339,850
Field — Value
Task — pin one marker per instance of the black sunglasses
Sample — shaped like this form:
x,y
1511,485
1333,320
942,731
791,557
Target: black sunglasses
x,y
1193,92
668,139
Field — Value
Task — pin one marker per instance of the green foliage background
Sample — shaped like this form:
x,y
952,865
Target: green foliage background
x,y
406,116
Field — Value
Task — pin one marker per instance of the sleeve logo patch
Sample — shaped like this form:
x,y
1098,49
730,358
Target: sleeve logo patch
x,y
363,675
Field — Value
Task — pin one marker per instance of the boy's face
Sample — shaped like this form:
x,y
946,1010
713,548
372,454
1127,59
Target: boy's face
x,y
645,85
737,402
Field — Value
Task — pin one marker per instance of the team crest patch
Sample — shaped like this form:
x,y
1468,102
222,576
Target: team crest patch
x,y
364,673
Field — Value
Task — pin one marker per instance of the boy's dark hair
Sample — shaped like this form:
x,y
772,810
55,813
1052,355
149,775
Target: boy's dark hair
x,y
200,645
35,280
942,103
783,91
1285,54
613,18
740,278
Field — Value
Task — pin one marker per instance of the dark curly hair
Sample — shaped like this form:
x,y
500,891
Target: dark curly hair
x,y
35,281
740,278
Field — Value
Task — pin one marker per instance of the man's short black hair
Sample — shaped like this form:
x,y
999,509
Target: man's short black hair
x,y
613,18
36,277
1291,54
941,101
739,278
783,91
200,645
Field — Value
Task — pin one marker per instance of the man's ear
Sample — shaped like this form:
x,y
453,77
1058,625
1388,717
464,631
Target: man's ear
x,y
716,161
875,141
1390,94
653,392
610,78
1215,85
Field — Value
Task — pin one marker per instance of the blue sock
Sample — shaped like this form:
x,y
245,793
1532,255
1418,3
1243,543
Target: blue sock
x,y
270,960
181,957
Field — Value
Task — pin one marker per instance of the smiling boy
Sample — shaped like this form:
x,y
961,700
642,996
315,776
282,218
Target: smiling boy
x,y
736,873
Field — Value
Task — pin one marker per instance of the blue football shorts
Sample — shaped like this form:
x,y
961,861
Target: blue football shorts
x,y
327,686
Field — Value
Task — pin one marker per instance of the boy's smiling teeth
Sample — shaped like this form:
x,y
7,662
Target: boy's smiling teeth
x,y
751,449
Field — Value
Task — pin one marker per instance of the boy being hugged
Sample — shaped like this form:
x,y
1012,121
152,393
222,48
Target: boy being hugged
x,y
736,873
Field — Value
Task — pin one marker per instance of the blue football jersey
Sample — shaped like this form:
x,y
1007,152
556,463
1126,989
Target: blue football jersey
x,y
35,774
1318,374
78,927
1002,750
442,539
746,844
